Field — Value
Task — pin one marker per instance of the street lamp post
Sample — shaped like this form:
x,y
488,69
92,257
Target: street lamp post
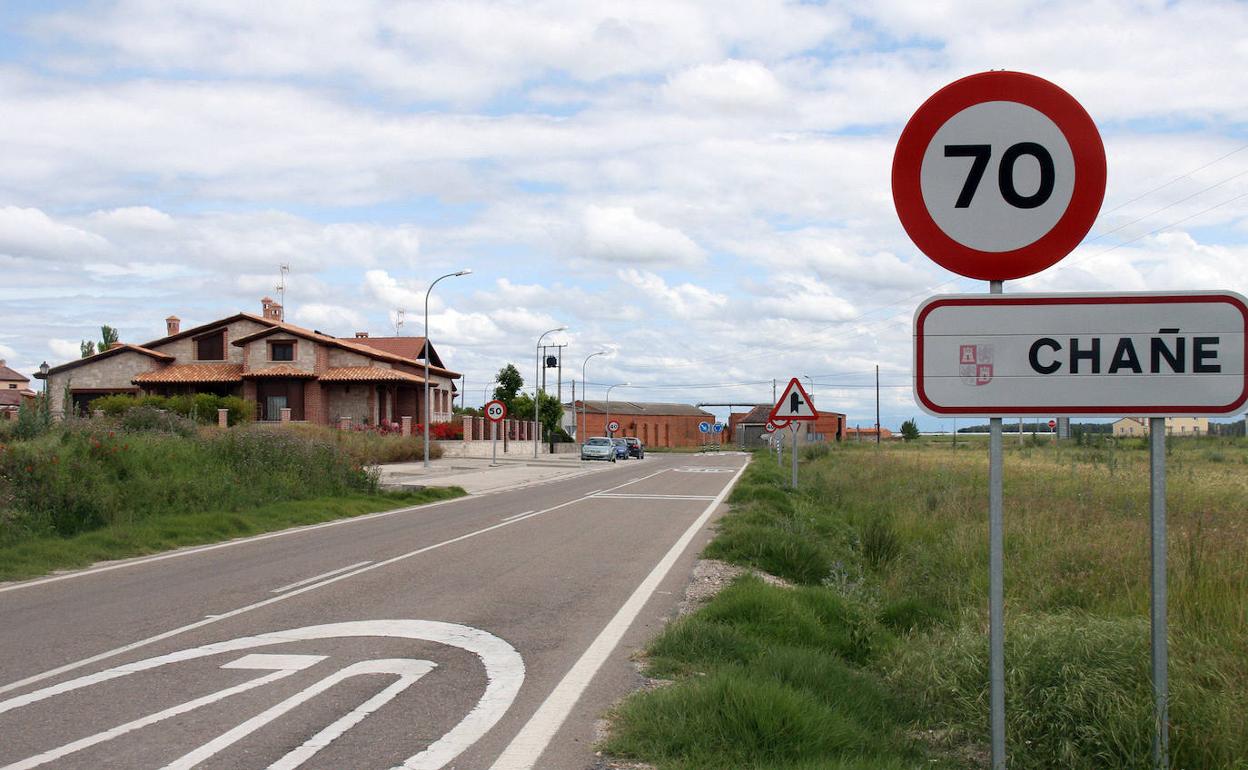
x,y
608,408
583,430
537,391
425,441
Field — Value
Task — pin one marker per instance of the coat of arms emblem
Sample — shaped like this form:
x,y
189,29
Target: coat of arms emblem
x,y
975,364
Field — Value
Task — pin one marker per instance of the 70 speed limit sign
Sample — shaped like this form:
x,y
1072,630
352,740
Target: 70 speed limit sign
x,y
999,175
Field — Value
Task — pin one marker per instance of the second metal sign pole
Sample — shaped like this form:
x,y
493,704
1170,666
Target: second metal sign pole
x,y
1161,655
494,443
793,427
996,585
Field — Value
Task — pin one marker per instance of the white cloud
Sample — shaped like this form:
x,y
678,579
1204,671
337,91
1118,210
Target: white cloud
x,y
618,234
733,86
64,350
315,315
27,232
684,301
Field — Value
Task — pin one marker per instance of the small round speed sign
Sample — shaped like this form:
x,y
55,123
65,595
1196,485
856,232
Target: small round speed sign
x,y
1052,424
999,175
496,411
613,426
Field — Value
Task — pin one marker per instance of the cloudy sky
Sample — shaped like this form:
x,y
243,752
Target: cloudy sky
x,y
701,188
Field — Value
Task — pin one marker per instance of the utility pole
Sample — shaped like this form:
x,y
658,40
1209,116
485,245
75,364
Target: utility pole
x,y
773,390
877,404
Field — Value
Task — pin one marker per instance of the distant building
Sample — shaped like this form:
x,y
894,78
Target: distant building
x,y
1175,426
14,391
749,429
656,424
867,434
278,366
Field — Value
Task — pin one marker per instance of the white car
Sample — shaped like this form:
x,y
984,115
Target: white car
x,y
598,448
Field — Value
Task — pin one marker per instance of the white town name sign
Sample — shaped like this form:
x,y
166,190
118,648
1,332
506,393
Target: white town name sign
x,y
1082,354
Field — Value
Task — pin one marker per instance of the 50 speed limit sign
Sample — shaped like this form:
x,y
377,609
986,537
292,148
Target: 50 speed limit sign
x,y
496,411
998,175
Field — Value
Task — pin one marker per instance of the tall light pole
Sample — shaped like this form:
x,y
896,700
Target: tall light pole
x,y
584,395
617,385
537,391
465,271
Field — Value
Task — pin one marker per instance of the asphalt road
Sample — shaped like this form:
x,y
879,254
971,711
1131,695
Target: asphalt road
x,y
487,632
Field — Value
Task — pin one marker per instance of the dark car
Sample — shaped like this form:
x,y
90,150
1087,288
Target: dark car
x,y
621,448
635,447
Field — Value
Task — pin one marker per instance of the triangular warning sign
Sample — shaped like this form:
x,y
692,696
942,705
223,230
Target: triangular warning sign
x,y
794,404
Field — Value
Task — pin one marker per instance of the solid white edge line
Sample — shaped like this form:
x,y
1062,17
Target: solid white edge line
x,y
209,620
529,744
516,515
315,578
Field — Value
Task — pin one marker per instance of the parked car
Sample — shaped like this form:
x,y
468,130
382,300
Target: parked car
x,y
621,448
598,448
635,447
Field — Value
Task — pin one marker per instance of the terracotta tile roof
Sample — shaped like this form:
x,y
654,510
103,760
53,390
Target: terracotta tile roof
x,y
9,374
122,348
14,398
280,370
369,374
192,373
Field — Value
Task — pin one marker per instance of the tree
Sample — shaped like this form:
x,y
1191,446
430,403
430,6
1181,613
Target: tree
x,y
910,430
87,348
552,411
509,384
108,336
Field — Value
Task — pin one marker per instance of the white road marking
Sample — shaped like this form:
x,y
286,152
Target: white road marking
x,y
282,666
702,469
527,747
408,671
284,596
504,672
517,515
305,581
620,496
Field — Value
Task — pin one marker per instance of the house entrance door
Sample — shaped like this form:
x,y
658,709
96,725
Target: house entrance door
x,y
273,406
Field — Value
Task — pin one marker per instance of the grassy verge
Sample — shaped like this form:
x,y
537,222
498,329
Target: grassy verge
x,y
883,643
40,555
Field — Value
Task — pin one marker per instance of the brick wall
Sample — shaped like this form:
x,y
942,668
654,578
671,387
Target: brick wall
x,y
653,430
316,403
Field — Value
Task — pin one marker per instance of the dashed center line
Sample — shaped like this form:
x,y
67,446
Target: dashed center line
x,y
643,496
305,581
516,515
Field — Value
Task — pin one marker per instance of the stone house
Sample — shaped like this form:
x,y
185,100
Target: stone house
x,y
277,365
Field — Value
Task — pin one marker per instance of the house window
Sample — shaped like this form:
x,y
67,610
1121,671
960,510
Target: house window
x,y
12,386
281,351
210,347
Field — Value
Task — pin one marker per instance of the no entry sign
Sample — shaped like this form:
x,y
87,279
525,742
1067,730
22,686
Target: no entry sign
x,y
1082,354
998,175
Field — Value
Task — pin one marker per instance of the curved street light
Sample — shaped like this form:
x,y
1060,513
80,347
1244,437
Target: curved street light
x,y
425,441
608,409
584,393
537,391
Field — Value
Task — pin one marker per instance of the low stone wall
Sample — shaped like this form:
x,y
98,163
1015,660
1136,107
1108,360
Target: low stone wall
x,y
513,449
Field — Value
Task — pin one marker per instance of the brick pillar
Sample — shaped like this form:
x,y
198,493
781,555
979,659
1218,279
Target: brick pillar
x,y
406,428
344,423
223,418
286,414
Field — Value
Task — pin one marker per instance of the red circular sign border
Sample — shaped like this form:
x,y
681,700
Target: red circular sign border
x,y
485,410
1085,202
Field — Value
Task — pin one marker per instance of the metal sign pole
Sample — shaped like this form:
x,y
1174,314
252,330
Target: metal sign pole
x,y
1157,509
494,444
996,585
793,427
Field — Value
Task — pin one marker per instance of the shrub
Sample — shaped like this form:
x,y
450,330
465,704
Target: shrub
x,y
151,419
447,431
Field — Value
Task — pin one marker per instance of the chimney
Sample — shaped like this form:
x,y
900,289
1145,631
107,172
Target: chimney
x,y
361,335
173,325
270,309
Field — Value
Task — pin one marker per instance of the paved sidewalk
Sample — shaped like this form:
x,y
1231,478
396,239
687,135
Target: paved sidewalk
x,y
477,477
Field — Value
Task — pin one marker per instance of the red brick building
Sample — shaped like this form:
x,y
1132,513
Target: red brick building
x,y
748,427
318,377
656,424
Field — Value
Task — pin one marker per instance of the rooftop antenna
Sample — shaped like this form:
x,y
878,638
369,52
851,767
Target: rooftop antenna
x,y
283,269
399,317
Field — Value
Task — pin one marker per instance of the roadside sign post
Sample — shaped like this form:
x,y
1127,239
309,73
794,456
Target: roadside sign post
x,y
793,454
1045,191
1158,621
495,412
612,427
793,406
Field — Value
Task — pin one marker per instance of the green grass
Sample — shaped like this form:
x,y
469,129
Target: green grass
x,y
888,548
39,555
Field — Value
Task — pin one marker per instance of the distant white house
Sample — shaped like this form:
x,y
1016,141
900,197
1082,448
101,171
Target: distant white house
x,y
1175,426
